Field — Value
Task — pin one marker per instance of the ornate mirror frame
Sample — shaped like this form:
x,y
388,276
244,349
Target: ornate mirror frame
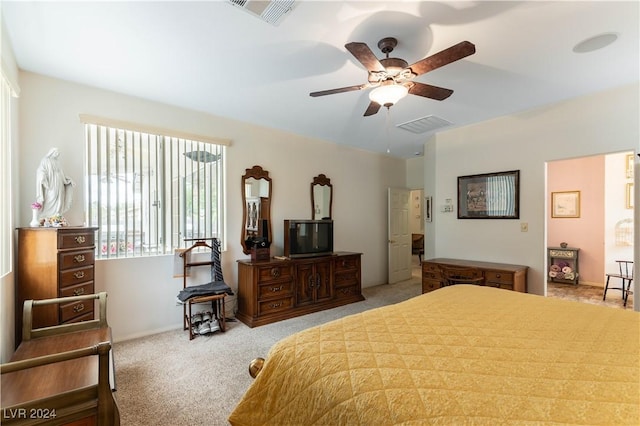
x,y
256,206
321,197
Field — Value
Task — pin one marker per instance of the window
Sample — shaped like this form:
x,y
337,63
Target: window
x,y
6,233
147,192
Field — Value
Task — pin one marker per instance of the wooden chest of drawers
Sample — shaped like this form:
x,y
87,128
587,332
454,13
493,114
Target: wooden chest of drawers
x,y
501,275
347,279
274,290
51,263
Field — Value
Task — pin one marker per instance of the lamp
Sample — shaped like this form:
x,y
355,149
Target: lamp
x,y
388,93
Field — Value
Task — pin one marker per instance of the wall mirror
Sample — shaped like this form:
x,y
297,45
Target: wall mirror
x,y
321,197
256,207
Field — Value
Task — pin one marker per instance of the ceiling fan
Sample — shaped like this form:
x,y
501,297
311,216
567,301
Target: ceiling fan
x,y
392,78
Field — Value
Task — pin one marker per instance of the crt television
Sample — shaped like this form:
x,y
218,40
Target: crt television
x,y
307,238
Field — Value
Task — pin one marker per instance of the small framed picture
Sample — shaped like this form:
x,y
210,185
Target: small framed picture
x,y
565,204
428,208
629,165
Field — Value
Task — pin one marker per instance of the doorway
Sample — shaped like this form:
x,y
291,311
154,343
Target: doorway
x,y
399,237
406,220
599,192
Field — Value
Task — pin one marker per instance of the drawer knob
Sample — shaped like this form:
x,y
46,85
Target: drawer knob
x,y
79,274
78,292
78,308
498,275
275,305
80,239
79,258
275,272
276,289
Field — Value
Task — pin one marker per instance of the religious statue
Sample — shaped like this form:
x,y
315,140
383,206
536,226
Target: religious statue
x,y
54,190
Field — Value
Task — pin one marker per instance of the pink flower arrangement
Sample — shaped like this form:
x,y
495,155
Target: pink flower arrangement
x,y
113,248
36,205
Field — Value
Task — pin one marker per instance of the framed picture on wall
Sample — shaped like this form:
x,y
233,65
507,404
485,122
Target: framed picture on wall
x,y
489,196
629,165
565,204
629,197
427,208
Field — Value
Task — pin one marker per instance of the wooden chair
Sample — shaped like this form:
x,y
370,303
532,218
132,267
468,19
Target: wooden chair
x,y
461,275
417,245
61,374
625,274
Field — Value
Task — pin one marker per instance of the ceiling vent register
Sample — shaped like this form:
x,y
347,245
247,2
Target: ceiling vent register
x,y
424,124
272,11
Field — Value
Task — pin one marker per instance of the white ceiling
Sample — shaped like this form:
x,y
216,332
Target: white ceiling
x,y
211,56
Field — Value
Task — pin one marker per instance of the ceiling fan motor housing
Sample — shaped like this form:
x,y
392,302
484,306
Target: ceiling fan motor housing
x,y
394,65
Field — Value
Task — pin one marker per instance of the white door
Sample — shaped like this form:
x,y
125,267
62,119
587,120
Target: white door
x,y
399,236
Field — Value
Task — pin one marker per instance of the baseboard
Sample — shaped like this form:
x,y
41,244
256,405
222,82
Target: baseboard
x,y
592,284
589,283
148,333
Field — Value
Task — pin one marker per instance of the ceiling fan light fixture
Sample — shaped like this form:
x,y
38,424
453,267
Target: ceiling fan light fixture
x,y
388,93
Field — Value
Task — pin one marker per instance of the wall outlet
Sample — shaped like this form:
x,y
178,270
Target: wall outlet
x,y
524,227
446,208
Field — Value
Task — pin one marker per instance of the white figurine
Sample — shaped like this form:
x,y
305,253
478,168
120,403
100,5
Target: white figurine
x,y
54,190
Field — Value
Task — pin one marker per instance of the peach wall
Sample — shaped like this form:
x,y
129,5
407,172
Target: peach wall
x,y
586,175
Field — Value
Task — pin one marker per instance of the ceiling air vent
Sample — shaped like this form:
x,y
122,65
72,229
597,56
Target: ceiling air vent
x,y
424,124
272,11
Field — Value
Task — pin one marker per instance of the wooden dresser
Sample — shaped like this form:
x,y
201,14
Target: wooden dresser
x,y
502,275
51,263
275,290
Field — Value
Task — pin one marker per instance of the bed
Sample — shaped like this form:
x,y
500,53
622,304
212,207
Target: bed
x,y
460,354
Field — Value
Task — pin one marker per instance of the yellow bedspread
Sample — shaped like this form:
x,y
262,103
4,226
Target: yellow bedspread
x,y
458,355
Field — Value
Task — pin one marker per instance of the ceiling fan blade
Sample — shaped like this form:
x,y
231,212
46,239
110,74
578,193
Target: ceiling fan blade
x,y
366,57
429,91
340,90
444,57
373,108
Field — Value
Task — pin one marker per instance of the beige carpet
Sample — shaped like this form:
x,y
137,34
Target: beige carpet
x,y
165,379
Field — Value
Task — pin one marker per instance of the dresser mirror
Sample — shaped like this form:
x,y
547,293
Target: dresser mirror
x,y
256,207
321,197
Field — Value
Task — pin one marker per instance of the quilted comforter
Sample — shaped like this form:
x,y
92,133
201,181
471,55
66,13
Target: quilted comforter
x,y
458,355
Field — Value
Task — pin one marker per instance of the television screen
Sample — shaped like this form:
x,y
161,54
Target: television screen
x,y
308,237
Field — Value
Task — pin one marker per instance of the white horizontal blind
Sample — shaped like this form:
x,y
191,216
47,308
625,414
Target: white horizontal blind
x,y
147,192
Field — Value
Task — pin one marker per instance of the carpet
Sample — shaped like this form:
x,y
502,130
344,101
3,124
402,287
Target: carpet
x,y
165,379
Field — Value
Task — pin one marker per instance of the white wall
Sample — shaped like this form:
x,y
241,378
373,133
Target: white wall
x,y
615,210
415,173
597,124
142,291
416,211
